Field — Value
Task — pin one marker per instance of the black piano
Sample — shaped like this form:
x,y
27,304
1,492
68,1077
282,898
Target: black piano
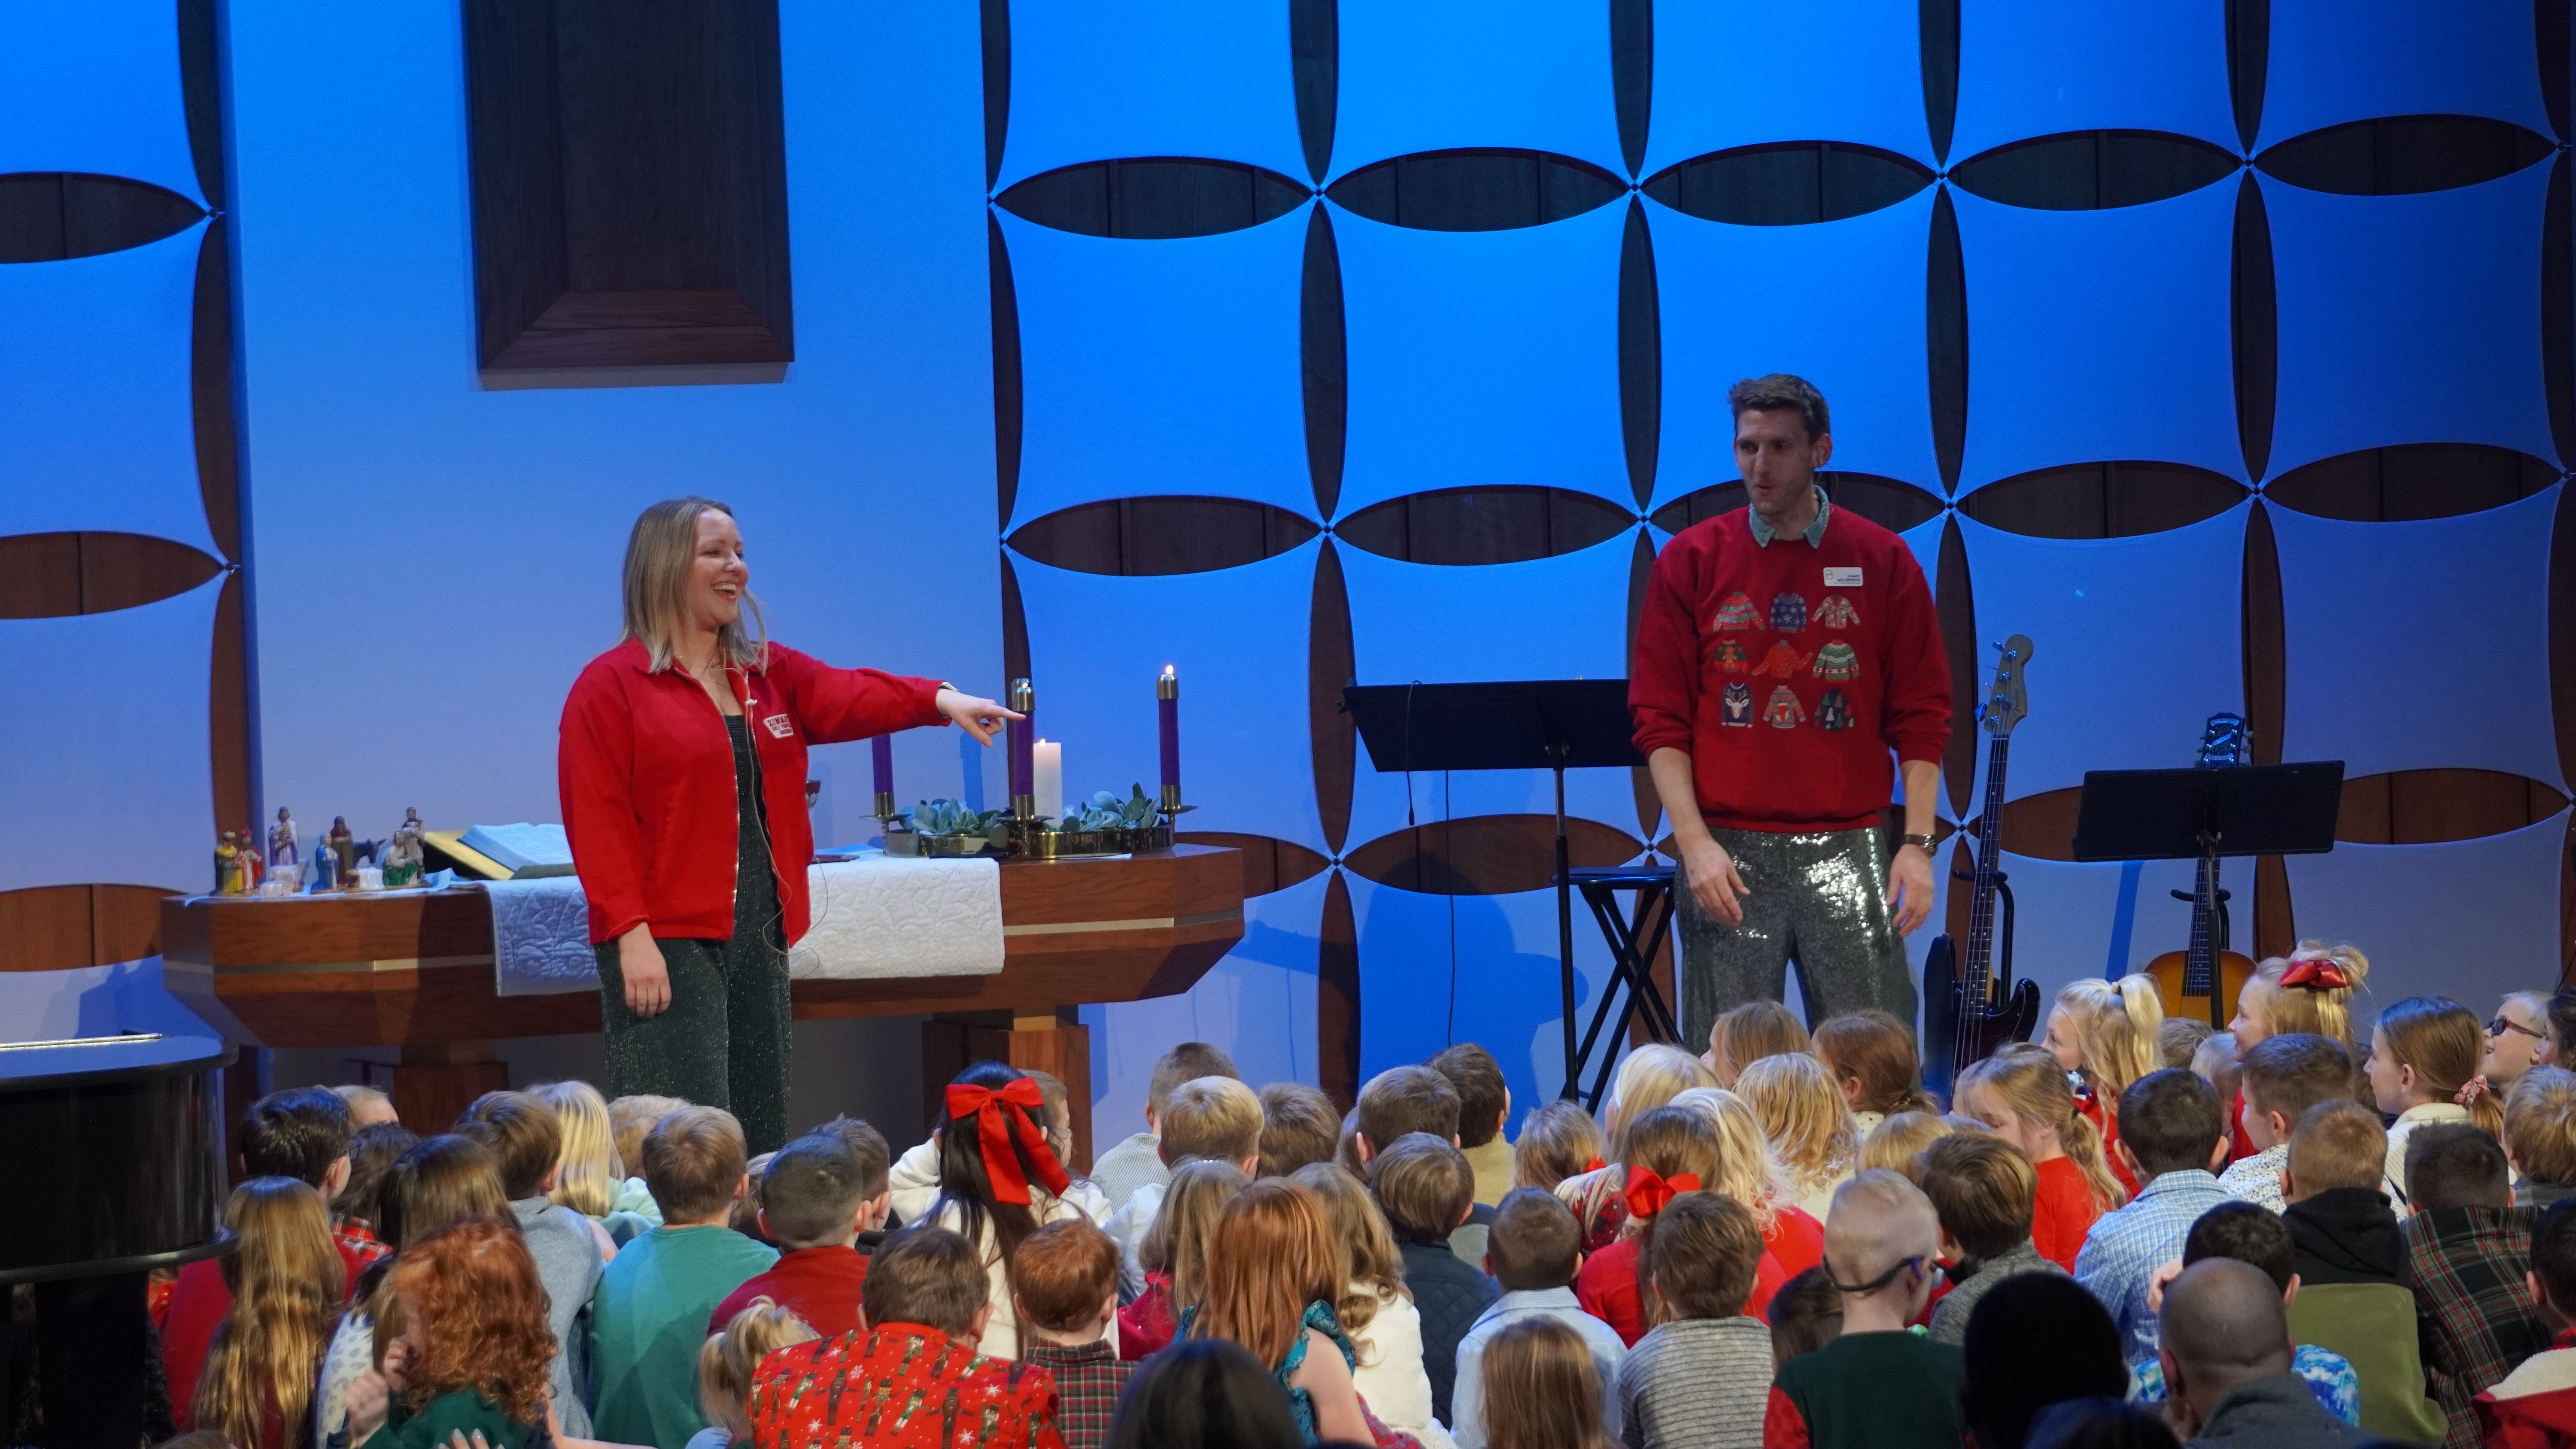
x,y
114,1151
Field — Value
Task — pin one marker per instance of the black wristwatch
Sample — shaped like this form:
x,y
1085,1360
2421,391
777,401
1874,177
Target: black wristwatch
x,y
1925,841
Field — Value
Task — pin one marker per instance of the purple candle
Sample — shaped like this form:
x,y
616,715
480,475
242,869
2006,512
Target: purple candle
x,y
1024,733
881,757
1167,705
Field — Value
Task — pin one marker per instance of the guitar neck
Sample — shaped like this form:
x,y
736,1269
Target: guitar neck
x,y
1977,977
2200,967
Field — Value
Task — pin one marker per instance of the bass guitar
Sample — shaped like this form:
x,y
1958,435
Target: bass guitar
x,y
1966,1014
2204,978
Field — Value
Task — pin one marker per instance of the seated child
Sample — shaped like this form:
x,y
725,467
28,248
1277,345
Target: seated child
x,y
1484,1106
2257,1235
1981,1189
2535,1405
1398,1101
590,1178
1806,1314
1750,1032
2540,1135
1298,1126
1133,1162
2469,1259
2179,1039
1672,1151
2283,1077
372,1150
1699,1380
727,1361
471,1353
1558,1140
1532,1252
629,1118
2022,1095
1876,1386
520,1132
1545,1388
927,1305
1802,1113
816,1196
2352,1265
1870,1056
2172,1136
1175,1254
1651,1077
1064,1282
2424,1057
645,1371
1425,1187
1217,1118
1376,1311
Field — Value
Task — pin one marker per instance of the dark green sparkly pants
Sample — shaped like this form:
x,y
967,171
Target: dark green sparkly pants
x,y
722,1042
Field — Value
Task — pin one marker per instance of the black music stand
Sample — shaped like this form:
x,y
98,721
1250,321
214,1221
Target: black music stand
x,y
2199,813
1545,724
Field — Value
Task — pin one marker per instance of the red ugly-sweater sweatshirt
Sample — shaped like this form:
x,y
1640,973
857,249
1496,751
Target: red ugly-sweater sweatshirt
x,y
1789,671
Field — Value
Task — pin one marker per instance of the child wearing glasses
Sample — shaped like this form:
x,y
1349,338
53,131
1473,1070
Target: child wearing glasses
x,y
1876,1385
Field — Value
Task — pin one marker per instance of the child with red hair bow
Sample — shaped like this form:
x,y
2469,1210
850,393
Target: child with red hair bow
x,y
1670,1151
999,1181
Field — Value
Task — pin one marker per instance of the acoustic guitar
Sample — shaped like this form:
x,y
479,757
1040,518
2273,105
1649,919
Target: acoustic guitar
x,y
2201,979
1966,1017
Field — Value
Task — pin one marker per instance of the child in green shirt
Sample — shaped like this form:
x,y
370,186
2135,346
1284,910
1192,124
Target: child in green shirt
x,y
1880,1385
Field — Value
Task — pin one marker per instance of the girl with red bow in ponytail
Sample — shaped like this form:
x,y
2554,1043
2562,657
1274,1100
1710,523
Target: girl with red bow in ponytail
x,y
999,1181
1670,1151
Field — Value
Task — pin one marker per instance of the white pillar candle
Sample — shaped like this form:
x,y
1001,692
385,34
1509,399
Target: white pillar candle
x,y
1047,762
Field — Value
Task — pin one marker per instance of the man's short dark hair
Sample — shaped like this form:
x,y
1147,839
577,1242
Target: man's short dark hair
x,y
2452,1164
296,1133
1482,1094
925,1275
812,1191
1534,1241
1782,391
2247,1232
2033,1340
2553,1253
2171,1121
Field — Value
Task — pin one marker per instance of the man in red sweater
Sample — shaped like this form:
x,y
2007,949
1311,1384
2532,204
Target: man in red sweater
x,y
1786,653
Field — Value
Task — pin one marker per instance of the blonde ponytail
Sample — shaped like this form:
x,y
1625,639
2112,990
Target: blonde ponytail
x,y
2313,1007
2116,1025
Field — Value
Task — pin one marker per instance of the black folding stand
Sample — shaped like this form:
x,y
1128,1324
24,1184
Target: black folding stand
x,y
1551,724
2205,814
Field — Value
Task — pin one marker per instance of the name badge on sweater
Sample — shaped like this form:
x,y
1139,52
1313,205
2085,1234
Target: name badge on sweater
x,y
779,725
1842,578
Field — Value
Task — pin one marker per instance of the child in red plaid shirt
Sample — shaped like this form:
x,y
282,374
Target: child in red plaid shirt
x,y
1065,1282
2469,1251
911,1379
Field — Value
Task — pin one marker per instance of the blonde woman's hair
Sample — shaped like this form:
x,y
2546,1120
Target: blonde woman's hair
x,y
2315,1010
588,1173
286,1278
1185,1226
732,1354
1747,1171
1377,1267
1651,1077
1803,1113
1896,1144
1750,1032
660,554
2118,1024
2446,1044
2032,1086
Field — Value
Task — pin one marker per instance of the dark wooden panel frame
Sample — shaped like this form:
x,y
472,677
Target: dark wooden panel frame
x,y
629,183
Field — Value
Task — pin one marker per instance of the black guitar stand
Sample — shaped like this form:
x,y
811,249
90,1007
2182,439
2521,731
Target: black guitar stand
x,y
1634,938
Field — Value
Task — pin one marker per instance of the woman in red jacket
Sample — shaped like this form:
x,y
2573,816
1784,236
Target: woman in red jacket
x,y
682,767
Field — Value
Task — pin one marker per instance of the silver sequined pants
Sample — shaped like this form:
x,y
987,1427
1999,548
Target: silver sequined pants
x,y
1818,900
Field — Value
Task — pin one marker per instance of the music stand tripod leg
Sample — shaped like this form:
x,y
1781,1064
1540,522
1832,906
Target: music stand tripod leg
x,y
1565,926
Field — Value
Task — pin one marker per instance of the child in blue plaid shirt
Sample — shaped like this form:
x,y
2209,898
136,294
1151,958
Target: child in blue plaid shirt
x,y
2173,1136
1065,1284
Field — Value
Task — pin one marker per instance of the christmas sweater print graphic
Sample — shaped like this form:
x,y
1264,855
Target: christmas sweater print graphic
x,y
1736,613
1837,661
1788,612
1730,654
1833,712
1836,612
1783,662
1736,705
1783,712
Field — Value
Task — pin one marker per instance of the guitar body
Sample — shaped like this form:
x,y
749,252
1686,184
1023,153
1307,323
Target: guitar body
x,y
1958,1033
2171,971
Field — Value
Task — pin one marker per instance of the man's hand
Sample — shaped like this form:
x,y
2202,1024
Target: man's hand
x,y
641,969
974,714
1909,887
1714,883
